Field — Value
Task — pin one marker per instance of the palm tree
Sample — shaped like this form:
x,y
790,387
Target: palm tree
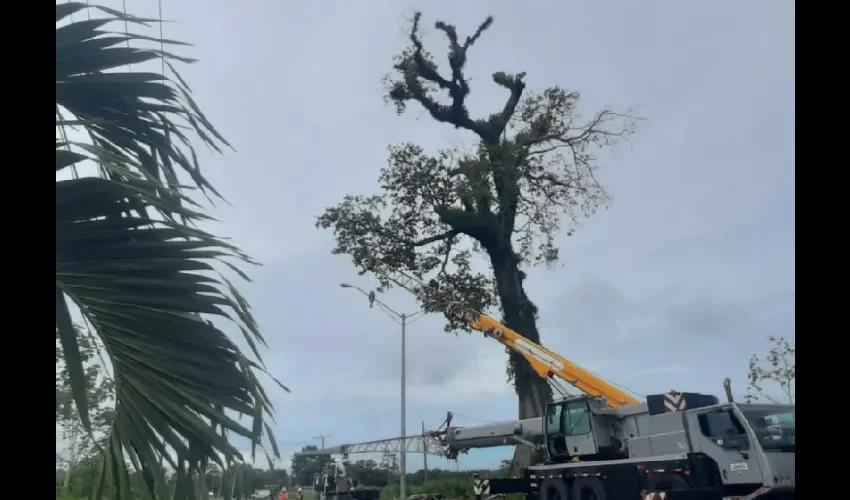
x,y
132,263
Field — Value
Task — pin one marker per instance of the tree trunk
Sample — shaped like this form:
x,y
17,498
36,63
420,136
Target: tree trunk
x,y
520,315
66,481
72,459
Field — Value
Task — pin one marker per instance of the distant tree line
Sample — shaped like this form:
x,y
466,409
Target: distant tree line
x,y
384,474
236,484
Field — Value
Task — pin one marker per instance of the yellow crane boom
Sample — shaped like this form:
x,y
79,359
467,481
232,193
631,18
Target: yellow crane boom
x,y
546,363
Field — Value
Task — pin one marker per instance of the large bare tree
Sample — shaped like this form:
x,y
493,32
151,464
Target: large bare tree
x,y
534,164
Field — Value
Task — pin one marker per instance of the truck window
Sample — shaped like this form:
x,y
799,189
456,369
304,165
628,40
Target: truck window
x,y
577,418
554,419
775,427
719,424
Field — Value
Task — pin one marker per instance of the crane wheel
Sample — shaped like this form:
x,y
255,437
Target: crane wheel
x,y
667,482
589,488
554,488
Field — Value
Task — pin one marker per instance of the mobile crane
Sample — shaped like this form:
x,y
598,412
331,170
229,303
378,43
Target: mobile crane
x,y
605,444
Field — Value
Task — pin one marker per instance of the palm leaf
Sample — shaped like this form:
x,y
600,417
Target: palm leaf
x,y
140,275
134,116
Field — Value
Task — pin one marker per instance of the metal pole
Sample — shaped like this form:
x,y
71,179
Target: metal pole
x,y
322,437
424,453
402,487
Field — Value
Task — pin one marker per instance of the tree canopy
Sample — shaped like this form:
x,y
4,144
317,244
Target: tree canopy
x,y
81,446
532,169
305,466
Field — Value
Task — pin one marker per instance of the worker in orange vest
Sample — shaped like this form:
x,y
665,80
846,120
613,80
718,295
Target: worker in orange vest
x,y
283,494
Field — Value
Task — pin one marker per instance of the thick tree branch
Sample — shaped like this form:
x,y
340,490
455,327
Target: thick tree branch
x,y
516,86
418,71
481,227
447,252
548,177
448,235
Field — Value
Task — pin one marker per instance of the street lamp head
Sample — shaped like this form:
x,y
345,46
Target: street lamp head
x,y
345,285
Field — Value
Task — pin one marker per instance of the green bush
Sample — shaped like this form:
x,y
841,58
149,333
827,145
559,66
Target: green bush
x,y
64,494
460,487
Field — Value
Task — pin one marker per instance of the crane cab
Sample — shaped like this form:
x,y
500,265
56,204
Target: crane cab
x,y
574,428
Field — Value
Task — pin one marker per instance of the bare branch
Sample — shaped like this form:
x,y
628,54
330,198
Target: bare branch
x,y
420,75
778,367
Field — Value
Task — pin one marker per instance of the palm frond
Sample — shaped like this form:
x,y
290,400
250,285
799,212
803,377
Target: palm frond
x,y
139,273
139,117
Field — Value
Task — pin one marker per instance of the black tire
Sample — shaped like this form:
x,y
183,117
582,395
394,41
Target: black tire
x,y
589,488
667,482
554,488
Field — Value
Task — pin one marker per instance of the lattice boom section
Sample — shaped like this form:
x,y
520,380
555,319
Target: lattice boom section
x,y
410,444
411,284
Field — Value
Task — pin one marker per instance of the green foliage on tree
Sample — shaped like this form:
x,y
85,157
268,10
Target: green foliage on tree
x,y
370,472
773,377
532,171
132,262
80,483
83,447
220,485
304,467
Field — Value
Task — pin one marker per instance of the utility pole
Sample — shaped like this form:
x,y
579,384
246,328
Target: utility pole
x,y
424,453
322,437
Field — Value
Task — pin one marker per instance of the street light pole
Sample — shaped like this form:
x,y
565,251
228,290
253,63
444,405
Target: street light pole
x,y
402,319
402,482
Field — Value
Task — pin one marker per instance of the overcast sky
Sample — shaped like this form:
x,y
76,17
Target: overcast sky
x,y
674,287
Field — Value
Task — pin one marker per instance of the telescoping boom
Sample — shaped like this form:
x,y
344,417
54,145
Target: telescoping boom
x,y
447,441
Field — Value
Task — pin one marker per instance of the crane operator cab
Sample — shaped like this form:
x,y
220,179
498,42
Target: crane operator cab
x,y
571,429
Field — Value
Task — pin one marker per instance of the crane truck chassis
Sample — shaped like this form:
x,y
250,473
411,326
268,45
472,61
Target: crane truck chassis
x,y
675,446
607,445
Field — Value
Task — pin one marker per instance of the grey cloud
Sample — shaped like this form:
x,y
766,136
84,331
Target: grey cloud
x,y
591,304
707,317
426,366
319,333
